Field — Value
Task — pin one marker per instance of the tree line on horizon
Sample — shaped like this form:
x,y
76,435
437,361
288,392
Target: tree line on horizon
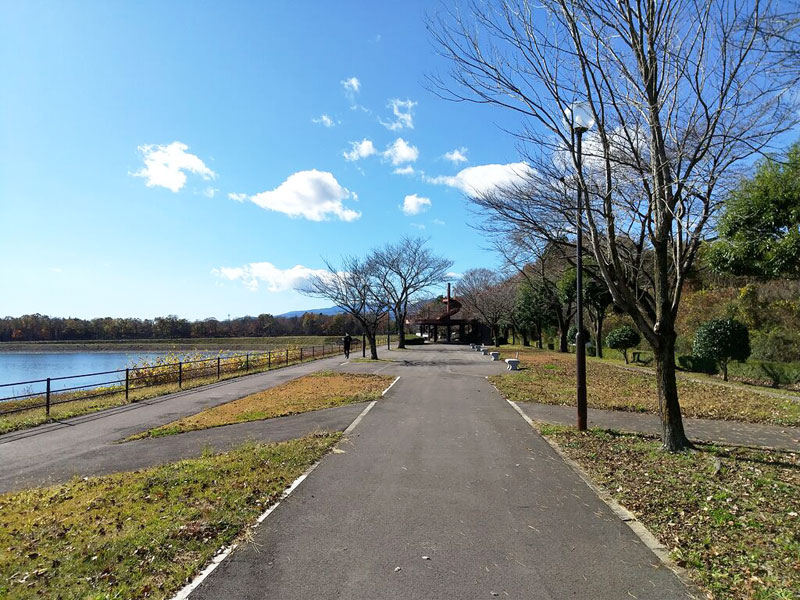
x,y
42,328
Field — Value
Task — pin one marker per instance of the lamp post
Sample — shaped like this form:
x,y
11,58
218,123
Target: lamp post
x,y
580,118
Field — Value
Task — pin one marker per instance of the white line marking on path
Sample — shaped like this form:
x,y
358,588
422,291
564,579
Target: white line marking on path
x,y
383,393
225,552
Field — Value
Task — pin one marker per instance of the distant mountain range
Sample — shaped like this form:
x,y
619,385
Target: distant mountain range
x,y
333,310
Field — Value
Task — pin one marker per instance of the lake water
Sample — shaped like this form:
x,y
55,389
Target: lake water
x,y
22,366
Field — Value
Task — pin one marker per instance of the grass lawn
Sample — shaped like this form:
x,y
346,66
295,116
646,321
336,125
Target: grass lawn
x,y
549,378
142,534
312,392
729,515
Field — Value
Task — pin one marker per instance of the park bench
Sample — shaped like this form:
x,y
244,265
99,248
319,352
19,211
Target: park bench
x,y
637,355
495,355
513,364
484,351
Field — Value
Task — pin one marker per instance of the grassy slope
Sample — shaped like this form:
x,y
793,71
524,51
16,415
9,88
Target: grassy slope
x,y
141,534
730,515
549,378
313,392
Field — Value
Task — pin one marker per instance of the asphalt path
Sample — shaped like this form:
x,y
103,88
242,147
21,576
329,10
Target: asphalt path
x,y
442,491
732,433
89,444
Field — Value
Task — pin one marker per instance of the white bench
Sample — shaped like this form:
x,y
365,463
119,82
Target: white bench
x,y
513,364
495,355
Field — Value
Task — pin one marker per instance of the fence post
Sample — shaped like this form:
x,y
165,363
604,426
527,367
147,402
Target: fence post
x,y
127,383
246,362
269,360
47,401
301,354
180,374
287,357
218,368
312,351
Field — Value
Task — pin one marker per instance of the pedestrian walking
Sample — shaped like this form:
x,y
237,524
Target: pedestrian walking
x,y
346,343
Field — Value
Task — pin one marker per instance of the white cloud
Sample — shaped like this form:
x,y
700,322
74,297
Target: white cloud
x,y
238,197
166,166
401,152
484,178
407,170
413,204
324,120
351,85
438,222
403,114
419,226
209,192
252,275
453,275
359,150
314,195
459,155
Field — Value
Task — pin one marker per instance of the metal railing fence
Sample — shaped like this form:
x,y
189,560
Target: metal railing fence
x,y
51,391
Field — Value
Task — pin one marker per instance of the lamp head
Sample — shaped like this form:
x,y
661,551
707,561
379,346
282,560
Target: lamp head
x,y
579,116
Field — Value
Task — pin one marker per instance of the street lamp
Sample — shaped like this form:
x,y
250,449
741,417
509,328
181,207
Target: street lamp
x,y
580,118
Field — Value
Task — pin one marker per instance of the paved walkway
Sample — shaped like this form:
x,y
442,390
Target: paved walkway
x,y
443,491
87,445
725,432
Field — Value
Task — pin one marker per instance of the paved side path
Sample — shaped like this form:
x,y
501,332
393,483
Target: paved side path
x,y
442,468
725,432
87,445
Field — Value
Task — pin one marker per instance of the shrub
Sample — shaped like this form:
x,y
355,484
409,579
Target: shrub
x,y
774,374
623,339
572,332
722,340
778,344
698,364
415,341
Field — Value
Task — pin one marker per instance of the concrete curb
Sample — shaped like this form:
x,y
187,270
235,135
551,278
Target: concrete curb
x,y
627,517
223,553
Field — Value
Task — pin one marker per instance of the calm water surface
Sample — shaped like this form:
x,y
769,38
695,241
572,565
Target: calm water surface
x,y
21,366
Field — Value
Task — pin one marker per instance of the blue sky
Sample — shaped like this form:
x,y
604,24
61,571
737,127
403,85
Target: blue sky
x,y
155,155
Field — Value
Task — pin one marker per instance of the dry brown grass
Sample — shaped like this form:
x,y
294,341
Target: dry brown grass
x,y
728,514
549,378
313,392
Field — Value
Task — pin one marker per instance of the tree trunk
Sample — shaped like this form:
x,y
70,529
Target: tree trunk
x,y
673,437
401,330
525,339
724,365
563,345
598,336
373,347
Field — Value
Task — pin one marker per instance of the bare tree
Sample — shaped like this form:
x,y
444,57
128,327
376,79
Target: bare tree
x,y
488,296
683,92
407,269
356,289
